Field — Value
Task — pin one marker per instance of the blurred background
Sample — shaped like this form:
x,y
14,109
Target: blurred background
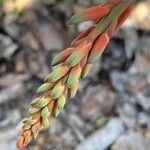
x,y
112,108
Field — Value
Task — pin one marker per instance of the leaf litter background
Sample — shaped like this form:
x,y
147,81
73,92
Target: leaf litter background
x,y
112,107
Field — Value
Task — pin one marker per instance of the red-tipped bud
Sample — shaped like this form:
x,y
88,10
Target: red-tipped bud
x,y
62,56
124,16
74,76
92,13
98,48
58,73
78,53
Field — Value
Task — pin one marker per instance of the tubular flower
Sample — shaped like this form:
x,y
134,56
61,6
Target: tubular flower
x,y
73,64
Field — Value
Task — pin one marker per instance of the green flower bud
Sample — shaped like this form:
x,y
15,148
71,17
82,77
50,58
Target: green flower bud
x,y
45,112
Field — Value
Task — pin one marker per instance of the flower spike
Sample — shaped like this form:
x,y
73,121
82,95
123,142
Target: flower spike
x,y
74,63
